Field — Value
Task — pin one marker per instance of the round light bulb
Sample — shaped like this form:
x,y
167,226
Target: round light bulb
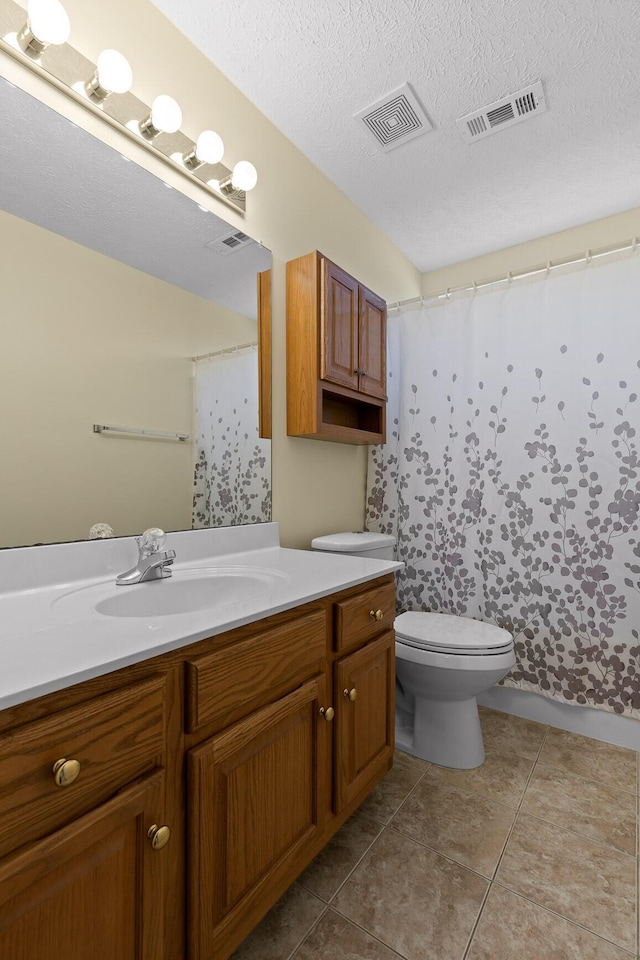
x,y
244,176
209,147
48,21
114,73
166,115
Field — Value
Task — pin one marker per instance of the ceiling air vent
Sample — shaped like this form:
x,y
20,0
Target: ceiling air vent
x,y
229,243
503,113
395,119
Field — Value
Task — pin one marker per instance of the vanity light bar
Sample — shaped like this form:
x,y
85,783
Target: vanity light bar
x,y
110,78
139,432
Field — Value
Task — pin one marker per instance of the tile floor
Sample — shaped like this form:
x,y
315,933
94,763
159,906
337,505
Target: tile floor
x,y
533,856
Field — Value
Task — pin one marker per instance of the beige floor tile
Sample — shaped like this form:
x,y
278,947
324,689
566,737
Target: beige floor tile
x,y
500,777
335,937
284,927
511,928
420,904
461,825
586,806
582,880
393,790
592,759
504,733
335,862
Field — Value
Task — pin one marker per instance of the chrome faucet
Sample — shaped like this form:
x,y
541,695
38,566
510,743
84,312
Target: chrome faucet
x,y
153,560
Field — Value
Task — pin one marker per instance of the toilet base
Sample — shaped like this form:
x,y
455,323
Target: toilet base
x,y
445,733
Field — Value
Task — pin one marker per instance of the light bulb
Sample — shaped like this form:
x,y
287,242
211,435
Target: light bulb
x,y
244,176
47,22
209,148
165,117
113,75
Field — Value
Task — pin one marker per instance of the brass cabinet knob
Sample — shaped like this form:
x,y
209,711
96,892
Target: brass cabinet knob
x,y
376,614
159,836
328,713
350,694
65,772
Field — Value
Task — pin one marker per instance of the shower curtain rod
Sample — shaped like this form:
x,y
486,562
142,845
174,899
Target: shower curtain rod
x,y
218,353
509,277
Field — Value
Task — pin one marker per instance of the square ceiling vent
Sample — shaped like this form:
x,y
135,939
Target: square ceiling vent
x,y
395,119
503,113
229,243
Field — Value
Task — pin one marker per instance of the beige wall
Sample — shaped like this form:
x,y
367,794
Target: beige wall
x,y
317,487
86,339
555,246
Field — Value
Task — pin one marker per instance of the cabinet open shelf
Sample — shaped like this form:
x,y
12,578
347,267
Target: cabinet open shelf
x,y
351,420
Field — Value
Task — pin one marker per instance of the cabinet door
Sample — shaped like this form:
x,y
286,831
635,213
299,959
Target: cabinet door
x,y
364,704
259,795
372,344
339,320
91,891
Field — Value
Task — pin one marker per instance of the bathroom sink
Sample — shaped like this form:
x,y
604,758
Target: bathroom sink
x,y
187,591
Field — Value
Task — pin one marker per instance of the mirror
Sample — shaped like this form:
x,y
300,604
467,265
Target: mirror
x,y
112,283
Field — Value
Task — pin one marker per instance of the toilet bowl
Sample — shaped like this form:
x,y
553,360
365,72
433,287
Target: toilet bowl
x,y
442,663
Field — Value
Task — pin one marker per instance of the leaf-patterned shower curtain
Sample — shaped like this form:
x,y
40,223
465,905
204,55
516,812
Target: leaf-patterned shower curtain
x,y
232,470
512,475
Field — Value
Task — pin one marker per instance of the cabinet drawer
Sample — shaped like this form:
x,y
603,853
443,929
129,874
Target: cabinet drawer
x,y
115,738
242,676
355,618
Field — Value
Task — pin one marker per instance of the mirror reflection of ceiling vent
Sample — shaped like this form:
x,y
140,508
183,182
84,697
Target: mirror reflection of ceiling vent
x,y
503,113
395,119
229,243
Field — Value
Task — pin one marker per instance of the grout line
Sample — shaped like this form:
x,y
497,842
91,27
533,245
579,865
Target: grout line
x,y
560,916
368,933
291,955
504,847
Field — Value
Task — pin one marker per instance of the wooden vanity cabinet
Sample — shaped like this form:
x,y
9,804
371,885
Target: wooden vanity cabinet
x,y
93,889
244,745
336,354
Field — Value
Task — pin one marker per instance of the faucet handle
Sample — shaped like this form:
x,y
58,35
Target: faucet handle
x,y
151,541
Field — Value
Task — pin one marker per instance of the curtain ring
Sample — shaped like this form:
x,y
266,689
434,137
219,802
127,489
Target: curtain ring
x,y
588,256
509,277
548,267
448,292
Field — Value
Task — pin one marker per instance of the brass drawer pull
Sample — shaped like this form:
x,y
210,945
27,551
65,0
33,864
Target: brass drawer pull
x,y
328,713
376,614
159,836
65,772
350,694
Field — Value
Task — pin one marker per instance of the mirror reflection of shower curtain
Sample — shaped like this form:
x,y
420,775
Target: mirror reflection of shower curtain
x,y
232,465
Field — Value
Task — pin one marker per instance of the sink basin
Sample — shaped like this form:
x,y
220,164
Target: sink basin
x,y
187,591
164,598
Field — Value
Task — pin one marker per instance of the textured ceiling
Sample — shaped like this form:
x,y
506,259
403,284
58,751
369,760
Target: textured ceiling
x,y
310,66
60,177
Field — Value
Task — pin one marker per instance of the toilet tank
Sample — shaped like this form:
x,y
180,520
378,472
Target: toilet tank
x,y
357,543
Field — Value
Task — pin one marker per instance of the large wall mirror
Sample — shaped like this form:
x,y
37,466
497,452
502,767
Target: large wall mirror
x,y
123,304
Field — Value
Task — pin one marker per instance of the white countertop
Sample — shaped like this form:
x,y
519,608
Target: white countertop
x,y
51,636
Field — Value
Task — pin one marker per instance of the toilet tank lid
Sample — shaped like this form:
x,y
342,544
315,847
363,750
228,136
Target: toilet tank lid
x,y
355,541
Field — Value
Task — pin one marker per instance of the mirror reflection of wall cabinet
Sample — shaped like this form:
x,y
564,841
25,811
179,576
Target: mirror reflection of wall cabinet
x,y
336,354
112,285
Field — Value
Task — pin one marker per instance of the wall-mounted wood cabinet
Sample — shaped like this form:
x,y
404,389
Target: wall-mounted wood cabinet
x,y
336,354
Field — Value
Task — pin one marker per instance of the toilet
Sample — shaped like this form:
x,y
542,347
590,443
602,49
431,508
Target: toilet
x,y
443,662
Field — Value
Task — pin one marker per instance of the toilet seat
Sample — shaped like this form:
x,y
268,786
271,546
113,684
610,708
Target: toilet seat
x,y
449,634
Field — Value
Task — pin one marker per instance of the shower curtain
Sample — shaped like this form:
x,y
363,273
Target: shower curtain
x,y
511,476
232,469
